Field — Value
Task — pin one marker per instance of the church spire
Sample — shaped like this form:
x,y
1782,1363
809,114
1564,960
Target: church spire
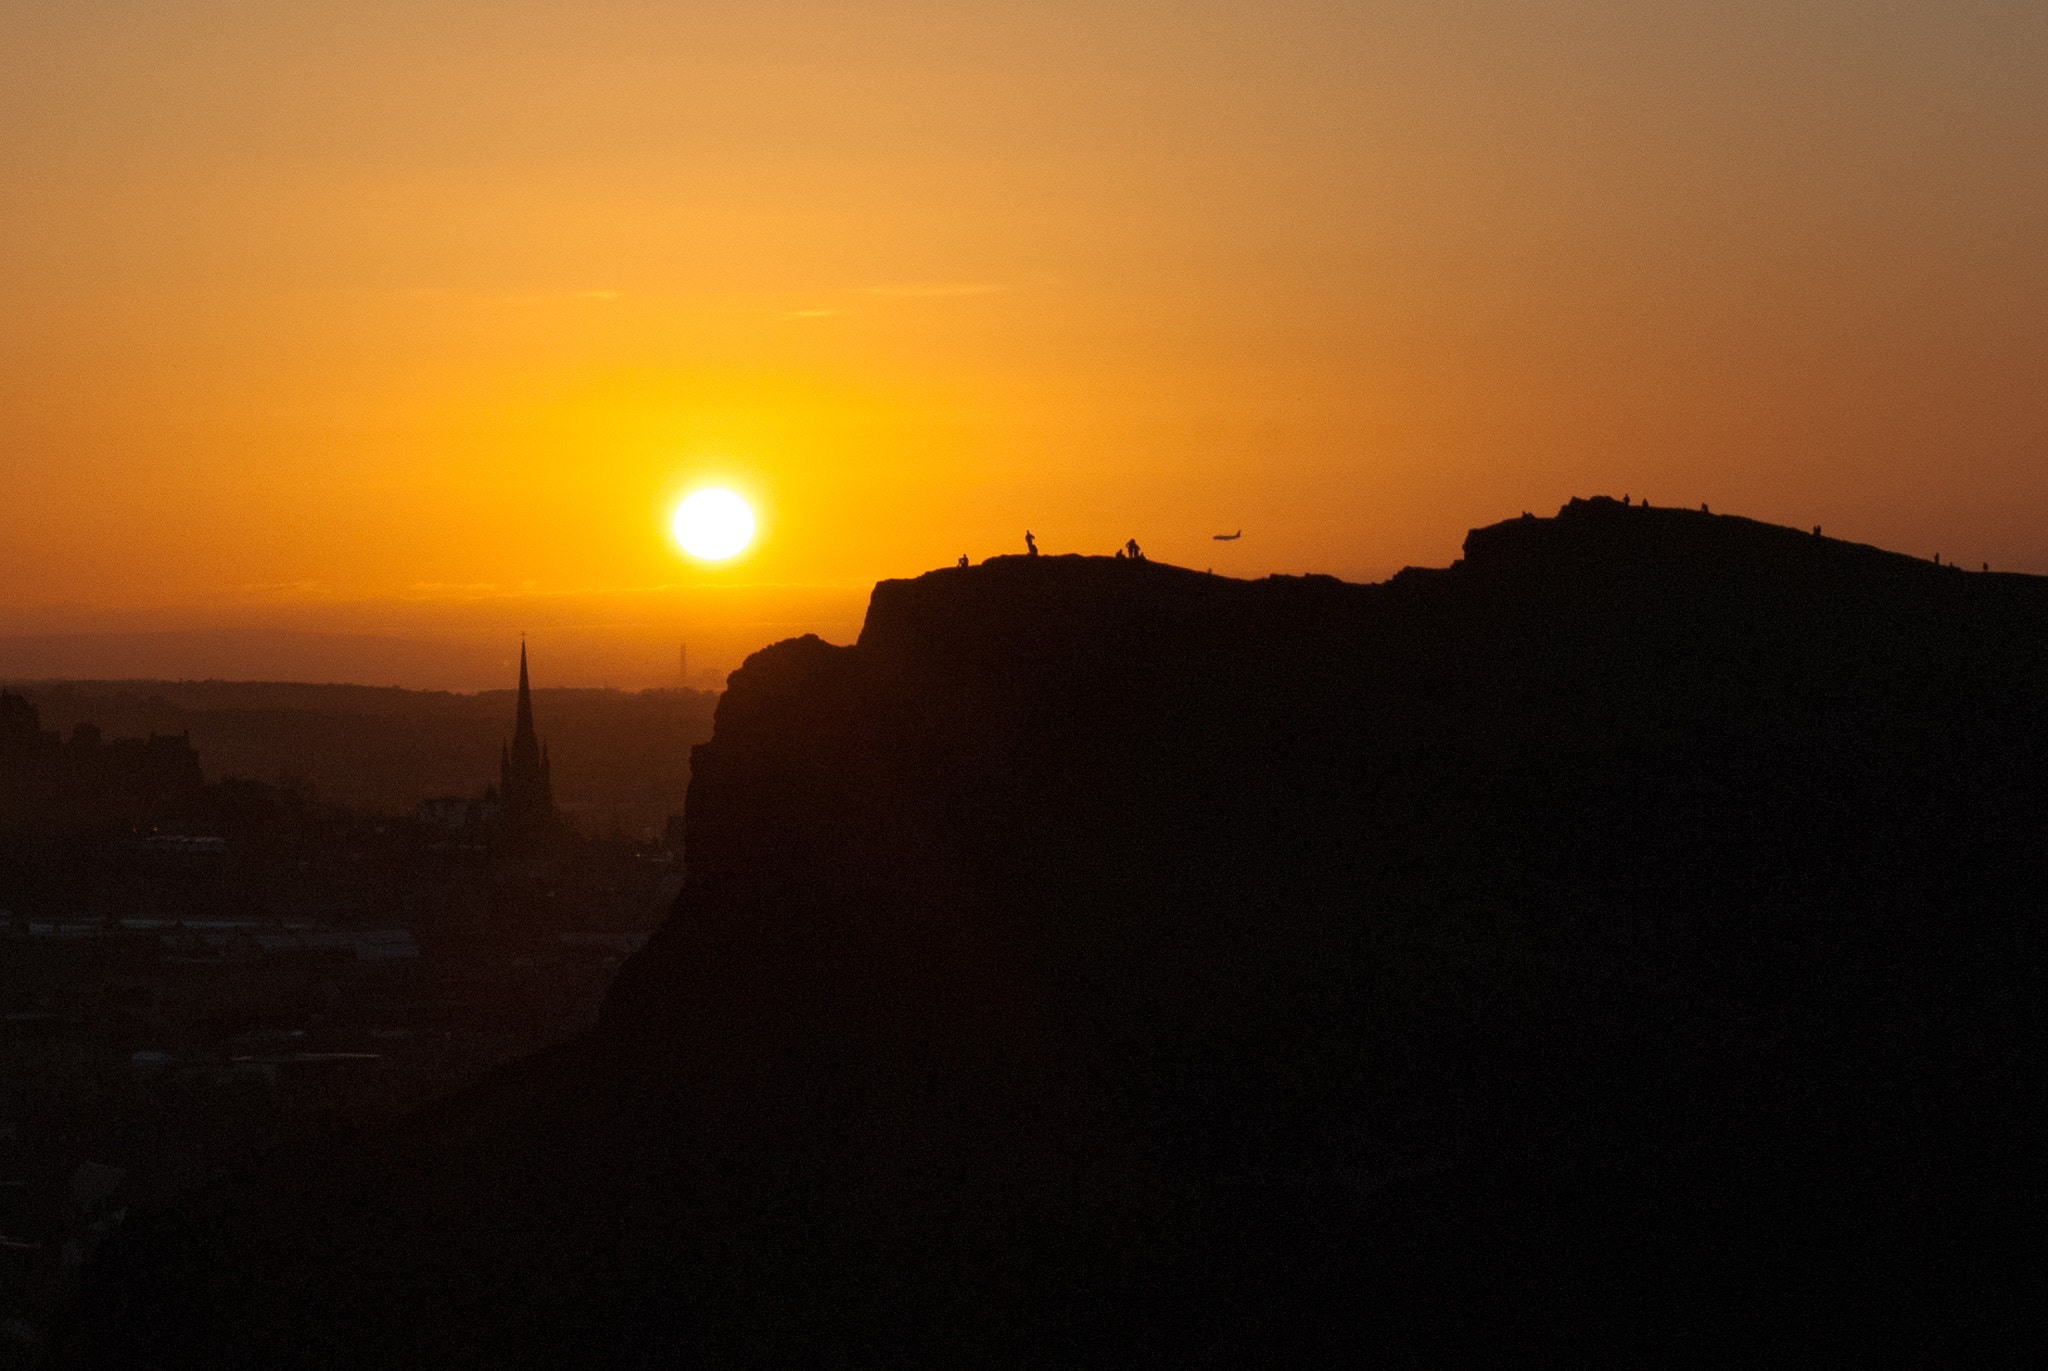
x,y
528,790
523,727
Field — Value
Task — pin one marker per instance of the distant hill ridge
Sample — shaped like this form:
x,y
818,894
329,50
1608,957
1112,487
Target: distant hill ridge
x,y
1623,942
384,749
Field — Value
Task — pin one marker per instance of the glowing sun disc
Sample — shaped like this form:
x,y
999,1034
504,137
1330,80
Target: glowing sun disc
x,y
714,524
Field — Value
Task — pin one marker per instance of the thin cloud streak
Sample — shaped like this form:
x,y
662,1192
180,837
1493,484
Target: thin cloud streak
x,y
561,297
940,290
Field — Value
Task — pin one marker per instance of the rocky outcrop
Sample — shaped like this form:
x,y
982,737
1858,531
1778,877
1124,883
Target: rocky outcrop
x,y
1624,936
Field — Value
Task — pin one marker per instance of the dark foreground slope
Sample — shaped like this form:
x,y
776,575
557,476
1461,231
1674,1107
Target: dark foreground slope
x,y
1626,937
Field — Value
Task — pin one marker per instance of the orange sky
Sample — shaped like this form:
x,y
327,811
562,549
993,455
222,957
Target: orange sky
x,y
415,319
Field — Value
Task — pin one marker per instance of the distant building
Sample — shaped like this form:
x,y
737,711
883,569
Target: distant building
x,y
526,793
49,784
186,844
459,811
520,810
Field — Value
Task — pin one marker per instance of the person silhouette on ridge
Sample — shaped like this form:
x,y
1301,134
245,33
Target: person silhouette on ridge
x,y
1030,544
963,559
1137,554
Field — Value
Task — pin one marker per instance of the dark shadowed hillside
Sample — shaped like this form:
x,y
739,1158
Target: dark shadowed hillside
x,y
1625,940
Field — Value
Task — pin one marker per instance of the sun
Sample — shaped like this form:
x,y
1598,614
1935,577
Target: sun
x,y
714,524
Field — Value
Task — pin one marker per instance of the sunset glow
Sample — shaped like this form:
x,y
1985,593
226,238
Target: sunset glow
x,y
881,682
400,321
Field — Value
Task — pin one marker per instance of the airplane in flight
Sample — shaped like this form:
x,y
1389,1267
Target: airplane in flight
x,y
1228,537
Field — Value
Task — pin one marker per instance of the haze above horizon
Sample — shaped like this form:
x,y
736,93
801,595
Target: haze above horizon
x,y
414,322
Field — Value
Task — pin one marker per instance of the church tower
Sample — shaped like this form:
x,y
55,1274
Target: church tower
x,y
525,786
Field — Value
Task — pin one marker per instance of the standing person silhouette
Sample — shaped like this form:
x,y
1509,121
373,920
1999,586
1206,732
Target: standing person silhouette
x,y
1030,544
1137,554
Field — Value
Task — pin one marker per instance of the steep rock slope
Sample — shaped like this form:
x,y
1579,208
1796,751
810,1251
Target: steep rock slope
x,y
1626,936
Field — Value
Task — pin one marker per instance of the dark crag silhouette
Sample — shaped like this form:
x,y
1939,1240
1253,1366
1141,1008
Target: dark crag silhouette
x,y
1625,938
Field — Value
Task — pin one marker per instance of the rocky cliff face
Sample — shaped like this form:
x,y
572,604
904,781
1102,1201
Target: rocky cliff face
x,y
1625,935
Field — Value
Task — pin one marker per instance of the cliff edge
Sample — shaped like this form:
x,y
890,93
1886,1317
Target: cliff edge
x,y
1623,938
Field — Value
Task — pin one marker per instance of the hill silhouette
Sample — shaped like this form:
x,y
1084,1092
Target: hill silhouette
x,y
1625,940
